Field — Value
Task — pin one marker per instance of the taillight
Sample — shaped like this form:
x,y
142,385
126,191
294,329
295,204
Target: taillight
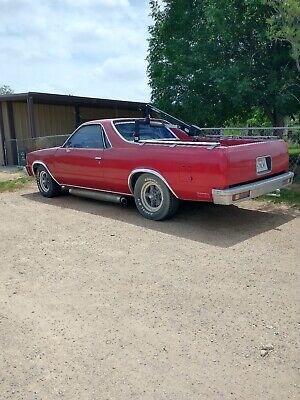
x,y
240,196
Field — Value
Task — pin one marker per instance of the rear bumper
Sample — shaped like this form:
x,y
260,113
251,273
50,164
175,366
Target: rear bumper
x,y
255,189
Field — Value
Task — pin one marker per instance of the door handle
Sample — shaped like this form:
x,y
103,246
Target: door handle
x,y
98,158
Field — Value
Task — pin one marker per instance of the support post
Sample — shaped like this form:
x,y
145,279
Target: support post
x,y
11,124
30,116
2,136
77,116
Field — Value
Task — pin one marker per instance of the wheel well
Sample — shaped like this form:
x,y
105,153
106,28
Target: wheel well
x,y
35,167
38,164
133,180
135,176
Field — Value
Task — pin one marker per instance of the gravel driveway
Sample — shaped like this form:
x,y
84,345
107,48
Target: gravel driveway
x,y
98,303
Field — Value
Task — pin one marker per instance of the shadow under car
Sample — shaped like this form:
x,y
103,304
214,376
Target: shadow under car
x,y
221,226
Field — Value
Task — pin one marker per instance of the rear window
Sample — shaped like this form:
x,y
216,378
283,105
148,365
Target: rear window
x,y
147,132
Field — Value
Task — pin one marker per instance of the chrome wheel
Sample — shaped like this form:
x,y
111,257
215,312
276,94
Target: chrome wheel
x,y
44,181
152,196
47,186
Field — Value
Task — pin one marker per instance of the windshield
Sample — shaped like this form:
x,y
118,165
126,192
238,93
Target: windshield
x,y
147,132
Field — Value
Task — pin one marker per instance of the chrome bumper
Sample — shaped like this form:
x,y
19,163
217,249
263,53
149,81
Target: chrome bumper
x,y
255,189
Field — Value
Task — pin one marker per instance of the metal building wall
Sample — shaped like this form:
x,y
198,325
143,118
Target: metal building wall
x,y
20,120
51,119
2,139
9,133
22,123
90,113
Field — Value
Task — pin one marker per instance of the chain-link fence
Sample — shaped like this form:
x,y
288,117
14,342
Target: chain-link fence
x,y
291,135
24,146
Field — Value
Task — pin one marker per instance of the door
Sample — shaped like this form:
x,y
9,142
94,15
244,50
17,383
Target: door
x,y
78,162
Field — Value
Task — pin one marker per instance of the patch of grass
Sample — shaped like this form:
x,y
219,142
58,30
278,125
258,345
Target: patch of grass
x,y
287,196
14,184
294,151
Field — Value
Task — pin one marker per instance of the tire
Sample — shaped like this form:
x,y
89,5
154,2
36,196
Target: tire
x,y
153,198
46,184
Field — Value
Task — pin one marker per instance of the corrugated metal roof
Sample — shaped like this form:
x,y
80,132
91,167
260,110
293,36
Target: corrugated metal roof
x,y
49,98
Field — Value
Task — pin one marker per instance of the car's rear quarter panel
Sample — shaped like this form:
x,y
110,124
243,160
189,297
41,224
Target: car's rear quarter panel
x,y
242,160
190,172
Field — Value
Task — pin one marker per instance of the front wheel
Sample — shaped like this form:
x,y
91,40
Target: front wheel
x,y
153,198
46,184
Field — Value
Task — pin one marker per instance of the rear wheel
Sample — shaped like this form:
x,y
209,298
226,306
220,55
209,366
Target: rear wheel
x,y
46,184
153,198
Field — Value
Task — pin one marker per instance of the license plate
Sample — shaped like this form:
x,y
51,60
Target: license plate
x,y
261,165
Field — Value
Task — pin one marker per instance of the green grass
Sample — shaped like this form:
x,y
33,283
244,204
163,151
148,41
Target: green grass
x,y
294,151
287,196
14,184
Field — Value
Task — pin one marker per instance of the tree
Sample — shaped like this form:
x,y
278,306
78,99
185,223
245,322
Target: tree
x,y
5,89
285,25
212,60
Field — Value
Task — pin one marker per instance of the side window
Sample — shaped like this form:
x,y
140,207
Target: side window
x,y
147,132
87,137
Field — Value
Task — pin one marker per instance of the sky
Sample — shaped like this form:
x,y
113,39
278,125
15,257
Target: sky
x,y
94,48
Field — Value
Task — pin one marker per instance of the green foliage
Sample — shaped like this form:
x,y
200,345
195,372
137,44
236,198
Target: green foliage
x,y
5,89
212,61
14,184
294,150
285,24
255,117
287,196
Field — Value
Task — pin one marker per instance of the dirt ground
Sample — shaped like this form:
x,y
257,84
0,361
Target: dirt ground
x,y
98,303
10,173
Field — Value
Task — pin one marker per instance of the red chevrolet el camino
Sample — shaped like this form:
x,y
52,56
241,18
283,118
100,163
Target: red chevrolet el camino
x,y
158,164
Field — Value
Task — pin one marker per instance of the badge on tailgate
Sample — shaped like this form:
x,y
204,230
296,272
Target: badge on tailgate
x,y
263,164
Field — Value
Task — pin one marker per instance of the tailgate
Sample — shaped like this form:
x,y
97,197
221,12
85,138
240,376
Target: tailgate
x,y
253,161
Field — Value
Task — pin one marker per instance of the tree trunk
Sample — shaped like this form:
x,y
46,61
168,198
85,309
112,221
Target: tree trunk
x,y
298,64
277,120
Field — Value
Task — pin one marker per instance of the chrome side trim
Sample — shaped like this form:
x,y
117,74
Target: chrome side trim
x,y
105,135
253,143
180,143
149,171
45,166
256,189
